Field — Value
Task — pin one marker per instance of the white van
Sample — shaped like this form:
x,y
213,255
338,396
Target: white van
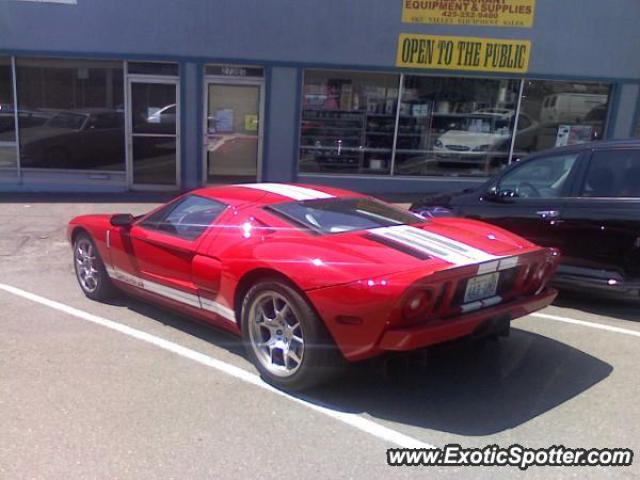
x,y
569,107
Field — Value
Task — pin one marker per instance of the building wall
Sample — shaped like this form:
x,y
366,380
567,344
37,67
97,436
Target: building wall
x,y
571,39
192,134
282,125
625,115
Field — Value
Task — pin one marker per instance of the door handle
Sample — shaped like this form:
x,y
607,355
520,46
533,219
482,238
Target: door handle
x,y
548,214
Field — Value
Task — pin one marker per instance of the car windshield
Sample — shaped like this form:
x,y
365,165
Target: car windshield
x,y
337,215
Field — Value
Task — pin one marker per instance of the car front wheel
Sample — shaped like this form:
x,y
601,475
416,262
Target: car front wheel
x,y
285,339
90,270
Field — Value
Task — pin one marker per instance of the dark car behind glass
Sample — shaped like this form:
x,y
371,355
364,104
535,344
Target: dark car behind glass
x,y
583,199
91,138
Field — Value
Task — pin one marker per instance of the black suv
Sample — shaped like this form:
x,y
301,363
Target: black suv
x,y
583,199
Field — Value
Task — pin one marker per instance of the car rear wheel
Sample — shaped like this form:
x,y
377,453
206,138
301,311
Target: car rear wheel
x,y
90,270
285,339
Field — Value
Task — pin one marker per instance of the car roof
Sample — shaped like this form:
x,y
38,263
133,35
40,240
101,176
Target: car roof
x,y
271,193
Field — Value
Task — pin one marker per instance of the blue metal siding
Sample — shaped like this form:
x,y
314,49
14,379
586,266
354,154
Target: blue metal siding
x,y
624,115
282,125
579,38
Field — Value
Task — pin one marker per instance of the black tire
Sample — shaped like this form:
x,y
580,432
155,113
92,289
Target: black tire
x,y
321,360
104,288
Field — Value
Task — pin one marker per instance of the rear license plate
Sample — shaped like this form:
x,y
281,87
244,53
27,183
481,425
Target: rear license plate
x,y
481,287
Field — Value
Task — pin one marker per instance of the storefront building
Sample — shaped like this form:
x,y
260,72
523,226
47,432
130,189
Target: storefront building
x,y
383,96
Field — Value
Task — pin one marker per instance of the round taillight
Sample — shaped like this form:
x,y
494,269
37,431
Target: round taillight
x,y
416,305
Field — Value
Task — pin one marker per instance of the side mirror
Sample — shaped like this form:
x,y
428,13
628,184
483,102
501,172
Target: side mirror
x,y
122,220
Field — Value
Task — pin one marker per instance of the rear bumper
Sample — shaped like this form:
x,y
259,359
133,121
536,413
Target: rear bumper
x,y
403,339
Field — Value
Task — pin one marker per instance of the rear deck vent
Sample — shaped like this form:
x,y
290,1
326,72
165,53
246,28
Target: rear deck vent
x,y
414,252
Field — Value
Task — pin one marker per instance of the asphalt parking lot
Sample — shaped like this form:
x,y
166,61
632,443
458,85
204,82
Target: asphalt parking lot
x,y
127,390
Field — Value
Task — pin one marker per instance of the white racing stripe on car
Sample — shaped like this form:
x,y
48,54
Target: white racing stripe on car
x,y
436,245
351,419
124,277
218,308
508,262
294,192
489,267
172,293
497,265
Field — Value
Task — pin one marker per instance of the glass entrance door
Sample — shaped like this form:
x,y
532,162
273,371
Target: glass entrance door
x,y
232,140
154,124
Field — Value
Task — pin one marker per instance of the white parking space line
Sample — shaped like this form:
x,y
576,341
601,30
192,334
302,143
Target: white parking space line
x,y
583,323
350,419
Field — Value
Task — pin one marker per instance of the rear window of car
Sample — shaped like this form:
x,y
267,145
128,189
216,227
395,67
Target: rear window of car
x,y
336,215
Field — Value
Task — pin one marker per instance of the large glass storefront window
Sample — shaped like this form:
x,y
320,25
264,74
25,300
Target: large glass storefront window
x,y
354,123
454,126
348,122
561,113
71,114
8,158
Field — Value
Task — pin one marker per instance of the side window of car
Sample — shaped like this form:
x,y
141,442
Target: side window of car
x,y
187,218
613,174
544,177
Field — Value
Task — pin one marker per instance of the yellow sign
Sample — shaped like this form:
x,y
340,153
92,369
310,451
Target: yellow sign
x,y
251,123
491,13
463,53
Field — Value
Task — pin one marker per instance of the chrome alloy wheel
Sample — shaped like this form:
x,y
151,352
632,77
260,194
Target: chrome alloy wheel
x,y
276,334
86,265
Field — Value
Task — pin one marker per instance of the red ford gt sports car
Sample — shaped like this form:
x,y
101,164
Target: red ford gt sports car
x,y
311,276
